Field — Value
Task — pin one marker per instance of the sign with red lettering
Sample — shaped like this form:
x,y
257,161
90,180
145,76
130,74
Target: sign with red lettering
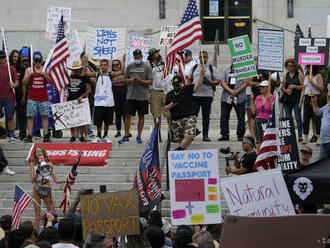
x,y
67,153
141,42
257,194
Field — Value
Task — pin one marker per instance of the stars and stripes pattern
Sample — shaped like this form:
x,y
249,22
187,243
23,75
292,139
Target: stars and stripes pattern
x,y
270,146
189,30
70,180
58,71
21,200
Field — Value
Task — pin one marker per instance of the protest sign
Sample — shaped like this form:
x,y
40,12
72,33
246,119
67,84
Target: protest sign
x,y
67,153
105,43
53,19
113,214
257,194
75,48
194,187
303,231
243,61
270,49
138,42
71,114
167,34
312,51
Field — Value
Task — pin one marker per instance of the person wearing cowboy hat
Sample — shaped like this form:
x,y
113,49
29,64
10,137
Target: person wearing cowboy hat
x,y
37,97
157,95
78,89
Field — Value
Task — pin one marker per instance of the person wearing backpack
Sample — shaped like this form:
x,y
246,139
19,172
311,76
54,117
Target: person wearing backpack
x,y
203,97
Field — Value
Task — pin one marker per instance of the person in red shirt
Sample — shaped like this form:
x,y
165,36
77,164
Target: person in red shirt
x,y
7,93
37,96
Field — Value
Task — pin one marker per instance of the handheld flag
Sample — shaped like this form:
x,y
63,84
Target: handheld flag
x,y
298,33
21,200
148,179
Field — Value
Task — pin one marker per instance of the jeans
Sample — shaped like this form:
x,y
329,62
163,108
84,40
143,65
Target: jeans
x,y
297,114
205,103
324,151
308,115
225,115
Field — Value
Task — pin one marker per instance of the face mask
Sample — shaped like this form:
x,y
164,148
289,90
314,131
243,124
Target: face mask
x,y
137,61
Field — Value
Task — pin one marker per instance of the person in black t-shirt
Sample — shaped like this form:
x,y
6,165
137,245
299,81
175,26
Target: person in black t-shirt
x,y
179,102
246,163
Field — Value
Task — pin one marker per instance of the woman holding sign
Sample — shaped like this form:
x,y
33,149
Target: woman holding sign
x,y
41,171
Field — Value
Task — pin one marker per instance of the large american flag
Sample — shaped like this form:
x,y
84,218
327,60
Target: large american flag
x,y
189,30
270,146
58,71
21,200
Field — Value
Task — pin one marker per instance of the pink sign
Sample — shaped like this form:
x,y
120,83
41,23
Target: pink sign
x,y
179,214
189,190
311,58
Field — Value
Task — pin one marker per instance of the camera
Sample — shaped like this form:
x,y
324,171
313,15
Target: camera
x,y
225,150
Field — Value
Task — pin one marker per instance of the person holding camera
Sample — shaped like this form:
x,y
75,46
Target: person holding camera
x,y
203,97
246,163
41,171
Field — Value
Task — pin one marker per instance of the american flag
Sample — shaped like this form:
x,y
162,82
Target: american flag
x,y
298,33
189,30
58,70
21,200
270,146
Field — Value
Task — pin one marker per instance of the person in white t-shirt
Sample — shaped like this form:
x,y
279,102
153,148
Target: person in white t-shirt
x,y
66,232
188,62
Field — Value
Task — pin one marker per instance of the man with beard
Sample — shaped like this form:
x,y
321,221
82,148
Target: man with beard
x,y
180,102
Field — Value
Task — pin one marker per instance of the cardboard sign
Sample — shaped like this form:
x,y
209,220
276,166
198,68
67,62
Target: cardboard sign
x,y
312,51
71,114
113,214
194,187
53,19
270,49
243,60
105,43
75,48
138,42
167,34
94,154
303,231
257,194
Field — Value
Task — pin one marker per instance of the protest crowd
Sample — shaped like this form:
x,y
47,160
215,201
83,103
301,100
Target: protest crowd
x,y
175,89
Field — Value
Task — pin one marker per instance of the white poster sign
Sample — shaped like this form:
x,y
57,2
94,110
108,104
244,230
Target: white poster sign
x,y
194,187
167,34
75,48
105,43
138,42
213,7
257,194
71,114
328,27
53,19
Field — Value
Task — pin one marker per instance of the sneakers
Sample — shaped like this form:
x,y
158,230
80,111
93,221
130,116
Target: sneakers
x,y
206,138
73,139
313,139
28,139
11,139
223,138
97,140
138,140
46,138
123,140
106,140
197,132
82,139
8,171
117,135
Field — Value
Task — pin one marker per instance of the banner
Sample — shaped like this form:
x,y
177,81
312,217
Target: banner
x,y
105,43
270,49
71,114
303,231
53,19
194,187
311,51
257,194
148,178
112,214
94,154
310,184
138,42
243,60
75,48
167,34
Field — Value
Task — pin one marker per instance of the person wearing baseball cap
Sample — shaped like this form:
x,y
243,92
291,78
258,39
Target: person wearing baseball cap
x,y
306,154
188,62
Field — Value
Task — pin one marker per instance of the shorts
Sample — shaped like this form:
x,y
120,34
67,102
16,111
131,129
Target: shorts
x,y
33,106
103,114
9,105
184,127
248,102
133,106
157,103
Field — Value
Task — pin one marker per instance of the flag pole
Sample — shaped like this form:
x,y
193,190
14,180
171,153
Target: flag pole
x,y
31,54
45,210
50,54
200,48
5,47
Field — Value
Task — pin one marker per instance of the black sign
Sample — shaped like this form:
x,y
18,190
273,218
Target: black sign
x,y
311,51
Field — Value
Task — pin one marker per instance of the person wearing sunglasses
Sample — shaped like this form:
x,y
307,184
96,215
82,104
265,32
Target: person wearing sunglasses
x,y
261,106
